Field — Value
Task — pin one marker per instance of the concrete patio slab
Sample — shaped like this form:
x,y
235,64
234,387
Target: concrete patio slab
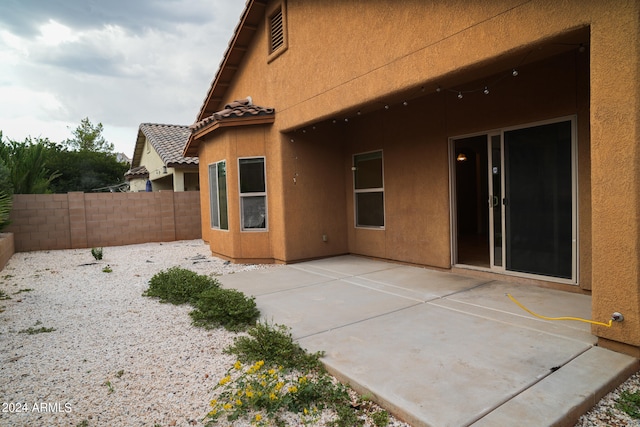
x,y
577,386
415,283
262,282
439,349
333,304
344,266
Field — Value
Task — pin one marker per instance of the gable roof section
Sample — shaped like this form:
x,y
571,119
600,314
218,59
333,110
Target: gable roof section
x,y
250,20
237,113
167,140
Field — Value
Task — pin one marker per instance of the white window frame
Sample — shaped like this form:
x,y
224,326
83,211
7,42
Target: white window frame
x,y
368,190
214,186
242,195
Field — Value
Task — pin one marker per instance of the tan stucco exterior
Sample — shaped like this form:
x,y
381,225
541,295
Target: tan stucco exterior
x,y
344,63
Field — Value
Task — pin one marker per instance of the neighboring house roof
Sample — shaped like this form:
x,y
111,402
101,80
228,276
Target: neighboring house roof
x,y
168,141
137,172
237,113
123,158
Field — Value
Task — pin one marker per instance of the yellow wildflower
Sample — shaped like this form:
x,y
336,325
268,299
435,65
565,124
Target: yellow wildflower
x,y
238,402
227,406
302,380
292,389
273,396
213,402
279,386
237,365
213,412
225,380
258,417
272,371
249,393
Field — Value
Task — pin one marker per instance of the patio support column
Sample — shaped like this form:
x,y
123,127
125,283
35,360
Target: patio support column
x,y
615,174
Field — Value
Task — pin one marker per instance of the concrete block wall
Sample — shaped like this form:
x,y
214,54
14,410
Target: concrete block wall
x,y
187,214
85,220
7,248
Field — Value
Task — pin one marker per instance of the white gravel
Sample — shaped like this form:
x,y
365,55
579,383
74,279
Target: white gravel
x,y
115,358
605,412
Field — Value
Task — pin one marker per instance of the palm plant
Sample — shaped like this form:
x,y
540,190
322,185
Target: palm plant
x,y
26,163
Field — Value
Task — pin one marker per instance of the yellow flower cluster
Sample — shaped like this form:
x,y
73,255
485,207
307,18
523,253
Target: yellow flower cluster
x,y
255,367
250,390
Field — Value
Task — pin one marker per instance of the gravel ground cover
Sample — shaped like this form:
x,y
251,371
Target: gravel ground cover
x,y
80,346
605,412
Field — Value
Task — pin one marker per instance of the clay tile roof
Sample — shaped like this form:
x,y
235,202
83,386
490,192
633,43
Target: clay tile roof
x,y
137,172
169,141
236,109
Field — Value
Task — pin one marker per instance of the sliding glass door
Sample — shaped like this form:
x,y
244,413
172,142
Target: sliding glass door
x,y
515,200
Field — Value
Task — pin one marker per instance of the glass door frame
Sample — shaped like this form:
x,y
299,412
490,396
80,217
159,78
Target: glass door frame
x,y
574,202
493,200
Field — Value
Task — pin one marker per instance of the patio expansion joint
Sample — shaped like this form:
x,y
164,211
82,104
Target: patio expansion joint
x,y
359,321
285,290
529,386
332,273
508,313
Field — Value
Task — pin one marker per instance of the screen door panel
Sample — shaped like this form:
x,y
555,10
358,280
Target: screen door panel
x,y
538,200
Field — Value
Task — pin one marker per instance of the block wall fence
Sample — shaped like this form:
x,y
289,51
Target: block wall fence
x,y
86,220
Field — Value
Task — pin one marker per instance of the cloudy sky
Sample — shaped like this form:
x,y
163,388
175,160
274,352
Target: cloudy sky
x,y
118,62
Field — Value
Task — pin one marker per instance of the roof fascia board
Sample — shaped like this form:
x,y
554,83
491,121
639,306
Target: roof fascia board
x,y
240,121
252,6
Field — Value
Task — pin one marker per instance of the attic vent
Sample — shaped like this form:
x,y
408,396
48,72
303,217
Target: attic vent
x,y
276,25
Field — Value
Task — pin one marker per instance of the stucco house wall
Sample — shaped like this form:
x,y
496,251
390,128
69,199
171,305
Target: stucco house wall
x,y
339,88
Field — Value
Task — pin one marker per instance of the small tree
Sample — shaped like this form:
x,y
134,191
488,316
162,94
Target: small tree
x,y
87,137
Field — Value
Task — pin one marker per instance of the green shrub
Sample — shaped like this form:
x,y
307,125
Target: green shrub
x,y
6,202
179,286
274,345
97,253
380,418
630,403
225,307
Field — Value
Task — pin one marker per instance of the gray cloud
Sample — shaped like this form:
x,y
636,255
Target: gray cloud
x,y
129,62
22,17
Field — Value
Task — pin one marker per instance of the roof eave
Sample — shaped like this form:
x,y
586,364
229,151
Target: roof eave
x,y
191,149
246,28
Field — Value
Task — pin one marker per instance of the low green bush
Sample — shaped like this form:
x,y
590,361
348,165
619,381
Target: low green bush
x,y
225,307
274,375
629,402
179,286
274,345
97,253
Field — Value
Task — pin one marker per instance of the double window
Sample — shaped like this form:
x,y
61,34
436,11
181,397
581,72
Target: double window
x,y
218,195
368,189
253,193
